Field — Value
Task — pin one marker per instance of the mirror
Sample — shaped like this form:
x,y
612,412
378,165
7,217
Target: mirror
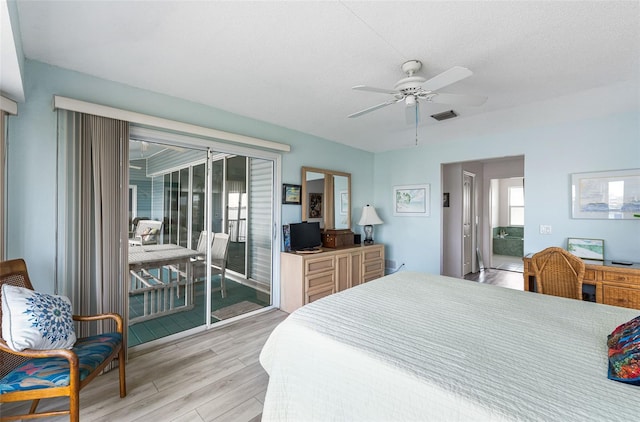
x,y
326,197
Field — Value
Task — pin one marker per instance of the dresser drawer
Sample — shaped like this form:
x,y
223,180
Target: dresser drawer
x,y
373,254
319,294
319,265
372,267
621,296
317,281
621,277
372,276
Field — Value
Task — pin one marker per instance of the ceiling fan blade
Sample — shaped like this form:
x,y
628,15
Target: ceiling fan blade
x,y
457,99
372,89
448,77
375,107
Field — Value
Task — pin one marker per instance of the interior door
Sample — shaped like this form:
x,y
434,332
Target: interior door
x,y
468,218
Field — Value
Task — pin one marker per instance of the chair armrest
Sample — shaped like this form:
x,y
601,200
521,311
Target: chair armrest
x,y
117,318
67,354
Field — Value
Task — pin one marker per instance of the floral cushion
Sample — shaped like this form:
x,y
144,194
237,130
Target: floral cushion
x,y
54,372
33,320
624,352
149,234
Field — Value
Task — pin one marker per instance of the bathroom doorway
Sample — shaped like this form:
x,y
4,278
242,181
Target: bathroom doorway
x,y
507,223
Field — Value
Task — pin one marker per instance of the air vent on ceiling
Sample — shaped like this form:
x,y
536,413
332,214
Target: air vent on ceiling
x,y
444,115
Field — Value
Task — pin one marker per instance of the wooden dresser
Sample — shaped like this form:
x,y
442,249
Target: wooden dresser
x,y
308,277
617,285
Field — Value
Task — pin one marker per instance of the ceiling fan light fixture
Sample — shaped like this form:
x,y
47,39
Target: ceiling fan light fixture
x,y
410,101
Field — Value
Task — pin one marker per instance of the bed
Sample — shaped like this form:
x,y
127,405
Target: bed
x,y
416,347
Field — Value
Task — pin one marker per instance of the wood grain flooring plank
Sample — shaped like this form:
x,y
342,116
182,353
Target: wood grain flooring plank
x,y
191,416
216,371
224,403
179,403
243,412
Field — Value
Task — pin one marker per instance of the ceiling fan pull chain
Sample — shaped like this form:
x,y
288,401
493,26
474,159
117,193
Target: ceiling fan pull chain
x,y
416,124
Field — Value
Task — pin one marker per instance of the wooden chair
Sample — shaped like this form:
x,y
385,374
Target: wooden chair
x,y
558,273
74,368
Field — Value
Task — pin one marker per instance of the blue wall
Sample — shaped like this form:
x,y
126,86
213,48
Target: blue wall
x,y
32,150
552,153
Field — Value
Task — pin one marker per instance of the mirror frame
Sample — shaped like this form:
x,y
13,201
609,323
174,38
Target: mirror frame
x,y
329,200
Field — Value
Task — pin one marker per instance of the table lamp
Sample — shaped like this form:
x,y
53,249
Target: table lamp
x,y
368,218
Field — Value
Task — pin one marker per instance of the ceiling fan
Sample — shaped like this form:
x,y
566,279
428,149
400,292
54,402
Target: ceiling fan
x,y
145,149
413,89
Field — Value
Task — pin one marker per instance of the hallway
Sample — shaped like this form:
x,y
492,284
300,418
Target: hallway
x,y
502,278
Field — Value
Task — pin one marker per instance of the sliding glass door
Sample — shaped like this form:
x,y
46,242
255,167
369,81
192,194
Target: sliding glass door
x,y
211,259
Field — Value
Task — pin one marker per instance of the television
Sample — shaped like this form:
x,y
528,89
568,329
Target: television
x,y
305,236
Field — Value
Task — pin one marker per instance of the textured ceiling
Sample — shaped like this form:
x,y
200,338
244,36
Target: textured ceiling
x,y
293,63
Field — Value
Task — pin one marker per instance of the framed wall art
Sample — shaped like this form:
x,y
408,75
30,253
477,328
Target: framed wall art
x,y
411,200
610,195
586,248
291,194
315,205
344,202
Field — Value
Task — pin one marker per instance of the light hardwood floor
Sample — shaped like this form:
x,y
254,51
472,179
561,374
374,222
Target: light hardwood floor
x,y
212,376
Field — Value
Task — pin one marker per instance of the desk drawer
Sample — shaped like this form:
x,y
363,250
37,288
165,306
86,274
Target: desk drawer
x,y
621,277
590,275
621,296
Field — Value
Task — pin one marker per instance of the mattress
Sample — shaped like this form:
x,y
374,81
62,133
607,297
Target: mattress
x,y
415,347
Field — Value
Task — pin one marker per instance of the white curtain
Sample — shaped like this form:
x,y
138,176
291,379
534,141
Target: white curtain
x,y
93,174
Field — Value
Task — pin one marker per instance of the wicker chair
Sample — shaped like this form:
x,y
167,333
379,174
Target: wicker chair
x,y
27,375
558,273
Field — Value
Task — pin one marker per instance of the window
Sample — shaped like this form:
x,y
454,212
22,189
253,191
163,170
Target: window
x,y
516,206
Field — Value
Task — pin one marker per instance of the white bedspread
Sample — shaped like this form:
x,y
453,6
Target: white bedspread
x,y
418,347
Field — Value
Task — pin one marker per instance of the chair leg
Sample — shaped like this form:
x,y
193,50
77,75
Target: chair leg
x,y
34,405
74,406
223,287
123,379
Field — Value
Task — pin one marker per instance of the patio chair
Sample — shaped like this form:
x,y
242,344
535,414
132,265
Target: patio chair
x,y
32,374
147,233
219,253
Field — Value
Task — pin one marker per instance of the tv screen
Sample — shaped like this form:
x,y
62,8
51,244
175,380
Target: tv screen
x,y
305,236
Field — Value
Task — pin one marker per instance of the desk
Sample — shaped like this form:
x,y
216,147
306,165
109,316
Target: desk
x,y
617,285
161,291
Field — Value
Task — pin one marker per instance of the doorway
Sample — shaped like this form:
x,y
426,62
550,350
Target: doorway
x,y
507,223
456,217
468,222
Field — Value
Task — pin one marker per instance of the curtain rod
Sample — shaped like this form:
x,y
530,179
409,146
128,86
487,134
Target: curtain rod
x,y
145,119
8,105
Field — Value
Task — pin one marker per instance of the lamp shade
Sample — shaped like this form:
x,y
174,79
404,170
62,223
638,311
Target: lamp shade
x,y
369,216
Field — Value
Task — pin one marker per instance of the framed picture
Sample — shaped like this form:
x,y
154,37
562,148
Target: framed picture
x,y
586,248
344,202
291,194
411,200
315,205
611,195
